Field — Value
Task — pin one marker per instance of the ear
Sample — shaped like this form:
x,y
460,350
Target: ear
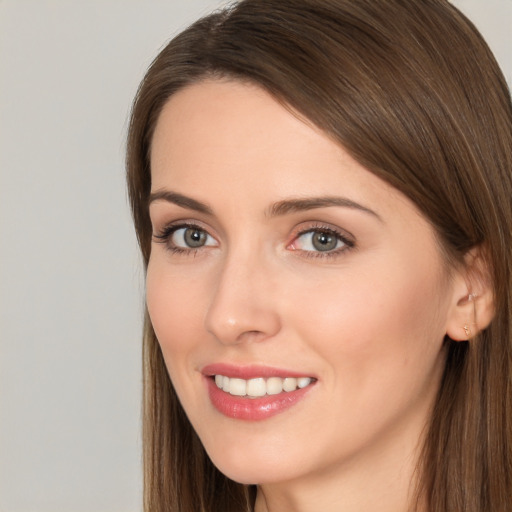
x,y
472,307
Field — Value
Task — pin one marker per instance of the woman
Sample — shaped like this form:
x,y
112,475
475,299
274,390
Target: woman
x,y
322,194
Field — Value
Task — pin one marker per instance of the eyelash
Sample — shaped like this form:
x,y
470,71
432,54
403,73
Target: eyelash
x,y
349,244
165,235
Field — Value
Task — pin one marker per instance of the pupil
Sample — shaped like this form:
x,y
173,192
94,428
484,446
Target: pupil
x,y
324,241
194,237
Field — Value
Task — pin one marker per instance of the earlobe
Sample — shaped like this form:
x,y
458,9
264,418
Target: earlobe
x,y
473,300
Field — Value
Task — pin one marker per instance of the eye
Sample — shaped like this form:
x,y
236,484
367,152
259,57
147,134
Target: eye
x,y
183,238
321,240
191,237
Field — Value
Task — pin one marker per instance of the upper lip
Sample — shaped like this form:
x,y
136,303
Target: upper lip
x,y
247,372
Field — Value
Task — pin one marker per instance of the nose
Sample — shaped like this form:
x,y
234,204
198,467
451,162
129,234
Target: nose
x,y
243,308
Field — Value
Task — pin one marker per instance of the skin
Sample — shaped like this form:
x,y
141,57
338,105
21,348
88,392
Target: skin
x,y
366,319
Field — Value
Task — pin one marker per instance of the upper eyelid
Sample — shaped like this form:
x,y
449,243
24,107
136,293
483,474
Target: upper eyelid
x,y
304,227
194,227
165,232
345,237
321,226
165,235
181,223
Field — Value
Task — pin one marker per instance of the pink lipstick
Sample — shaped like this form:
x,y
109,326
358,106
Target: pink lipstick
x,y
254,393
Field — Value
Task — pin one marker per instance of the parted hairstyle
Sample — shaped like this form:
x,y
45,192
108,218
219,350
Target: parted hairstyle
x,y
411,90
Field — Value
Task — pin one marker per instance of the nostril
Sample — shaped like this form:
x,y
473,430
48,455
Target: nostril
x,y
240,310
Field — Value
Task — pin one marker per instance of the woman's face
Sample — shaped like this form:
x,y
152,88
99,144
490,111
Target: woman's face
x,y
279,261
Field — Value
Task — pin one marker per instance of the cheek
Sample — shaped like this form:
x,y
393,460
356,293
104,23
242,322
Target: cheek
x,y
381,342
374,318
174,306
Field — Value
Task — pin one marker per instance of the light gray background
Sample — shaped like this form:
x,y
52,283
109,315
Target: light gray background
x,y
70,278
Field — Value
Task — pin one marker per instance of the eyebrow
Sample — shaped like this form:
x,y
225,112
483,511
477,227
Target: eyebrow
x,y
298,205
276,210
180,200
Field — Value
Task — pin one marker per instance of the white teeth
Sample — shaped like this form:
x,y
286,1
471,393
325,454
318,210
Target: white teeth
x,y
237,387
290,384
274,386
303,382
258,387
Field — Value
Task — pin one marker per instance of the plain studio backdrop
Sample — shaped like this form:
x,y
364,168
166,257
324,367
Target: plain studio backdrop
x,y
71,282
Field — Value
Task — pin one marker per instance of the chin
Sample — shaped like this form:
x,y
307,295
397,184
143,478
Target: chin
x,y
254,463
250,474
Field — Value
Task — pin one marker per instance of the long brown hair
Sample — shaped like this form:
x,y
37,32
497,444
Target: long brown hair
x,y
412,91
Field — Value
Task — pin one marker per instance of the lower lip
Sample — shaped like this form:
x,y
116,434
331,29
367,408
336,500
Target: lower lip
x,y
253,409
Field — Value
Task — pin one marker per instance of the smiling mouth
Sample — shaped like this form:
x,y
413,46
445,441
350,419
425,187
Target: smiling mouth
x,y
260,387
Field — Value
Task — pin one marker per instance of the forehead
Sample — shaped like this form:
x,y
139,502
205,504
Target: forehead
x,y
215,134
228,120
235,149
241,130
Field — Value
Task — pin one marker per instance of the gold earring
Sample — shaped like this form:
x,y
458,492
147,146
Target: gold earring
x,y
467,330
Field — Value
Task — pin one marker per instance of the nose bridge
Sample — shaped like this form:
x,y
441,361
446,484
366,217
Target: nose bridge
x,y
242,308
